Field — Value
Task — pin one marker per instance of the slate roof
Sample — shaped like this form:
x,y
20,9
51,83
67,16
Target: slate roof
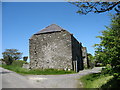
x,y
51,28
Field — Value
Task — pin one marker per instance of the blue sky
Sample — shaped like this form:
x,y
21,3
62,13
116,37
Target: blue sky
x,y
22,19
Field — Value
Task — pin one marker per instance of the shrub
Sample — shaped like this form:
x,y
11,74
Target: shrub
x,y
9,55
18,63
107,69
25,58
8,60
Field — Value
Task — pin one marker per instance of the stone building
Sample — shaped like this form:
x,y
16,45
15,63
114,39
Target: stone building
x,y
54,47
85,57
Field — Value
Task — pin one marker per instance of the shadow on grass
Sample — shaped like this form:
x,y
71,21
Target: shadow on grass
x,y
112,83
97,80
93,76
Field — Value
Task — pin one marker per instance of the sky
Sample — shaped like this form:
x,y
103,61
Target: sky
x,y
20,20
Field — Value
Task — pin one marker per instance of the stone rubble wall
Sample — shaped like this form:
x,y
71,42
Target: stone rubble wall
x,y
26,66
77,54
51,50
84,55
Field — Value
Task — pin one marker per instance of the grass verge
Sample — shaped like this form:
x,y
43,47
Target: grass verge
x,y
95,80
23,71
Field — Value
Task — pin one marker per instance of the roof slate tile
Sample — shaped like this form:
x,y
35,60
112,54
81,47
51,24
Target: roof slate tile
x,y
51,28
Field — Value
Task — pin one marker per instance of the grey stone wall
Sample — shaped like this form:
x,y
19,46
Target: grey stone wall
x,y
26,66
2,62
76,55
85,58
51,50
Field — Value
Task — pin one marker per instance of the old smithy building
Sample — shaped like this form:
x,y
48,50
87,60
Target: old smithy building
x,y
54,47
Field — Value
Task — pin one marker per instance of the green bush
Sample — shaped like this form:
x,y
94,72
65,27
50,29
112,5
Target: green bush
x,y
107,69
25,58
18,63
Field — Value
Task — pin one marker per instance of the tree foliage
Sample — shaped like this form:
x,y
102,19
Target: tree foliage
x,y
108,51
25,58
90,60
9,55
96,7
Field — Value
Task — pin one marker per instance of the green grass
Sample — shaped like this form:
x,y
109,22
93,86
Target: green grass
x,y
36,71
95,80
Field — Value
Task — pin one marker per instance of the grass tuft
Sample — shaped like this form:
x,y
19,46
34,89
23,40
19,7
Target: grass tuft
x,y
95,80
21,70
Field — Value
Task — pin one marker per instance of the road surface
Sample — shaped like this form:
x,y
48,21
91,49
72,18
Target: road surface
x,y
11,79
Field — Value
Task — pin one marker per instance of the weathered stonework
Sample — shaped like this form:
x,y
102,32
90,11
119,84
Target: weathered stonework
x,y
2,62
54,47
76,54
26,66
85,58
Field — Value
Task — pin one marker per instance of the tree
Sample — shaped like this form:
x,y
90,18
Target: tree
x,y
100,56
95,7
25,58
11,54
109,48
90,60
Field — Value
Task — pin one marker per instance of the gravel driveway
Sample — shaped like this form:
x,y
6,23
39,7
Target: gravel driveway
x,y
44,81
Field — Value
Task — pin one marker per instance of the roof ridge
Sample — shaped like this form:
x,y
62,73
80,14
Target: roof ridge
x,y
50,28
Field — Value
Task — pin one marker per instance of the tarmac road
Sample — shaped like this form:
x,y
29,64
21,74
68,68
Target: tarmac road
x,y
13,80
